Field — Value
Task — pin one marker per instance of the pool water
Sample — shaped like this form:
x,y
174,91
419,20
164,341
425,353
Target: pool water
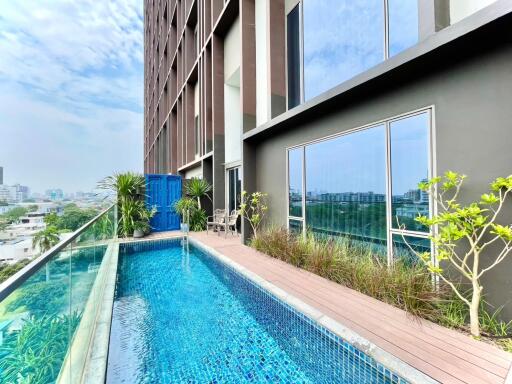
x,y
182,316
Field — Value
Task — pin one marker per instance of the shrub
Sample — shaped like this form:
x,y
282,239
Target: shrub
x,y
130,190
7,270
35,353
355,265
358,266
190,212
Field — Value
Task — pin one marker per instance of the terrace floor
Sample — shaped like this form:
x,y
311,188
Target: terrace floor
x,y
443,354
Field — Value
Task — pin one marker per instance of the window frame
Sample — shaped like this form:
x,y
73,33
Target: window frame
x,y
390,231
300,3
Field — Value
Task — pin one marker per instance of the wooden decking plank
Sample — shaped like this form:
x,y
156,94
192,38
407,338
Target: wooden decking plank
x,y
396,317
443,354
406,340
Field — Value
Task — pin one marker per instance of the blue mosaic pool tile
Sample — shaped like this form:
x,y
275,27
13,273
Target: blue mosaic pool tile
x,y
184,317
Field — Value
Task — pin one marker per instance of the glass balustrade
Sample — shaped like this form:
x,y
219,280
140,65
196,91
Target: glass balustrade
x,y
47,322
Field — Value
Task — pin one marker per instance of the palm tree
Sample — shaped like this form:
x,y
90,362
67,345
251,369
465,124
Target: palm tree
x,y
130,189
197,188
46,239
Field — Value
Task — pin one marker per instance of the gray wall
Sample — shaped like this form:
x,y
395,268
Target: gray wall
x,y
472,96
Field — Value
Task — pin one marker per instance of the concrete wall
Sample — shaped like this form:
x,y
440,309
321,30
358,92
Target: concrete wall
x,y
196,172
232,113
460,9
232,124
232,49
473,131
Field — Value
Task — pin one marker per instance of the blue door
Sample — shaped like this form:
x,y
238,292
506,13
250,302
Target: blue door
x,y
162,191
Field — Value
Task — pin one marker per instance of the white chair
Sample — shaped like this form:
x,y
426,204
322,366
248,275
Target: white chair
x,y
230,224
218,218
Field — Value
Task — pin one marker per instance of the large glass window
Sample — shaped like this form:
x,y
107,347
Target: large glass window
x,y
295,168
341,39
351,186
405,248
346,186
409,167
295,226
293,56
403,25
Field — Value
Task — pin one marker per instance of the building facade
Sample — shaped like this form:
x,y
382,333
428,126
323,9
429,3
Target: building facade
x,y
337,109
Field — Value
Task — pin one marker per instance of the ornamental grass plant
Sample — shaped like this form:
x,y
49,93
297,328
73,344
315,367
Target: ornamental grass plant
x,y
363,268
357,266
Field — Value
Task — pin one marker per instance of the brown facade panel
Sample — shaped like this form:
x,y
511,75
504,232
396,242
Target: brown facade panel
x,y
181,52
189,126
208,100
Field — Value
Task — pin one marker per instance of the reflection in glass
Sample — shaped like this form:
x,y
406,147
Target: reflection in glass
x,y
293,57
346,186
409,166
341,39
295,227
403,25
295,181
401,250
235,188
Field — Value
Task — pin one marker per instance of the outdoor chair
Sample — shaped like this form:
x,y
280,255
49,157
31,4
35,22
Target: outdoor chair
x,y
218,218
230,224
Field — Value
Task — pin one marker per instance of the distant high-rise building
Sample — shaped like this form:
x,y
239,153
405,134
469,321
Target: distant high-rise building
x,y
1,175
22,192
54,194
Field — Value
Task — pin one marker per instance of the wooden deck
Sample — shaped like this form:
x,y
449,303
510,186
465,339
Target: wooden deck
x,y
443,354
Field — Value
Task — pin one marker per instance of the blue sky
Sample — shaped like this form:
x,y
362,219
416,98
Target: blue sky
x,y
71,91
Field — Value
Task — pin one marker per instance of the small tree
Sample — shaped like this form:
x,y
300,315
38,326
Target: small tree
x,y
463,233
197,188
45,239
253,207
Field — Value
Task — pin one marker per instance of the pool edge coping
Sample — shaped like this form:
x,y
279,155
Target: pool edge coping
x,y
95,371
388,360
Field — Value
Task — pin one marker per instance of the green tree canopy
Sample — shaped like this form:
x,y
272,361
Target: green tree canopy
x,y
14,214
74,217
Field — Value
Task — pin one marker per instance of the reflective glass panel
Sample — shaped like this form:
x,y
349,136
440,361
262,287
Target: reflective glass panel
x,y
341,39
293,57
402,248
295,227
403,25
235,187
346,186
409,166
295,168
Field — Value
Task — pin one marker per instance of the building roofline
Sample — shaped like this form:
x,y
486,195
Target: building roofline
x,y
486,16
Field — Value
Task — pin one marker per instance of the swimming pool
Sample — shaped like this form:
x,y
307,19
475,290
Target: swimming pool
x,y
182,316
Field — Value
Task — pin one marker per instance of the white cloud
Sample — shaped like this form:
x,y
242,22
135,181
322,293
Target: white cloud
x,y
71,93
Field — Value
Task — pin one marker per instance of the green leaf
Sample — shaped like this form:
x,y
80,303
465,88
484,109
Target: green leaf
x,y
505,232
489,198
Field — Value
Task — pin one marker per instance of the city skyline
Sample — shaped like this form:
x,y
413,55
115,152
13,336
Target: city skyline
x,y
71,108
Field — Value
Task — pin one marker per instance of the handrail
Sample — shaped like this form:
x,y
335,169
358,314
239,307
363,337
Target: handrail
x,y
14,281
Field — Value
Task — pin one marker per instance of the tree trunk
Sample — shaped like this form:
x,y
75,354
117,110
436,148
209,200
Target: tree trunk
x,y
473,309
199,202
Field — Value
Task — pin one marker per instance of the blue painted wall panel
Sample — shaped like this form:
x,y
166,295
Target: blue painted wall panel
x,y
162,191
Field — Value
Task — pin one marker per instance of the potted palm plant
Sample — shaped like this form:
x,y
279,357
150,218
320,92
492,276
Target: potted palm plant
x,y
140,225
140,228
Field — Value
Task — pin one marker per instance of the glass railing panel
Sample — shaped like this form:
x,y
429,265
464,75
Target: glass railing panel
x,y
36,322
89,262
46,323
